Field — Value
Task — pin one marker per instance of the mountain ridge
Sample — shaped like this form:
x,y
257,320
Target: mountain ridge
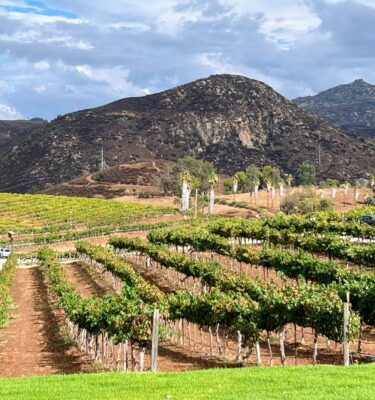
x,y
229,120
351,107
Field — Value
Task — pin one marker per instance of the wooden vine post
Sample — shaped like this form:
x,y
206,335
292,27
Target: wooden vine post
x,y
155,341
346,332
282,345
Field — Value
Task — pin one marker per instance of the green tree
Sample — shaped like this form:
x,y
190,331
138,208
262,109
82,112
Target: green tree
x,y
242,180
332,182
306,174
270,174
199,171
289,179
228,185
253,177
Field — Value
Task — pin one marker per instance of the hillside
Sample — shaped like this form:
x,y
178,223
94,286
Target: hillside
x,y
13,131
230,120
350,107
120,180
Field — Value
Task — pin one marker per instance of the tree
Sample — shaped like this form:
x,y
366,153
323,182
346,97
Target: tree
x,y
199,172
289,179
306,174
185,179
334,183
228,185
253,177
212,180
270,176
242,180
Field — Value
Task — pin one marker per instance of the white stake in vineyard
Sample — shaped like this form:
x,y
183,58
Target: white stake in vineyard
x,y
212,180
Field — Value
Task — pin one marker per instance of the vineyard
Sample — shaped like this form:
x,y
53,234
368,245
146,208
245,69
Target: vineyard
x,y
43,219
185,294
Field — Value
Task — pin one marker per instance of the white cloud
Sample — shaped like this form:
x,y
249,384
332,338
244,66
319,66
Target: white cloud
x,y
367,3
40,89
42,65
7,112
41,19
36,36
117,78
17,3
136,26
218,64
283,21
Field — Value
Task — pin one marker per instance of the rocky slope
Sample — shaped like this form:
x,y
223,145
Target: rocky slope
x,y
350,107
230,120
13,131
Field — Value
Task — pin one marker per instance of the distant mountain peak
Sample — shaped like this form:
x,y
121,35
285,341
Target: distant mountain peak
x,y
351,107
360,81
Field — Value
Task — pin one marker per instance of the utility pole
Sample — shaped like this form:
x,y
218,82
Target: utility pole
x,y
319,151
319,154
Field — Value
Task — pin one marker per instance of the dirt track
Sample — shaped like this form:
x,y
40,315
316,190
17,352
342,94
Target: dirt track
x,y
32,344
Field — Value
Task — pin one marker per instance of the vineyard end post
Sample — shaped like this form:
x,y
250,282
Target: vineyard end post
x,y
155,341
346,334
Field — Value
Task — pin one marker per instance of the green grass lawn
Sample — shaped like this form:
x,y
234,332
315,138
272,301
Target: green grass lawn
x,y
321,382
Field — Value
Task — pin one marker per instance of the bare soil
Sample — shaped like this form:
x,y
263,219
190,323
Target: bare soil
x,y
33,343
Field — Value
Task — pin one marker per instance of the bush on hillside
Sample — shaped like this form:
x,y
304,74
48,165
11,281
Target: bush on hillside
x,y
303,203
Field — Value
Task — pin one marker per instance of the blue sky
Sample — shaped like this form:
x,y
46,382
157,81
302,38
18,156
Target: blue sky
x,y
59,56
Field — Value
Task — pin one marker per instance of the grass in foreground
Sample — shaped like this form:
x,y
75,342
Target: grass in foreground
x,y
321,382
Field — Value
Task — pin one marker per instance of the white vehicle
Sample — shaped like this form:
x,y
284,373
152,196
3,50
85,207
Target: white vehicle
x,y
5,252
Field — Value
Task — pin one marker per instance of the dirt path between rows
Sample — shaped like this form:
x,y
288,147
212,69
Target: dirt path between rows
x,y
86,285
33,344
171,357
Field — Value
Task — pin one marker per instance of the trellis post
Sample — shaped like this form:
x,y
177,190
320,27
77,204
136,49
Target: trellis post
x,y
346,333
155,341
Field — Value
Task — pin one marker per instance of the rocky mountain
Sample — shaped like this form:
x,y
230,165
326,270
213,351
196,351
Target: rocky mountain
x,y
229,120
13,131
350,107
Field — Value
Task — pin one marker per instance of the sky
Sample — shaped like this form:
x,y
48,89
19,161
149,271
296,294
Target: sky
x,y
59,56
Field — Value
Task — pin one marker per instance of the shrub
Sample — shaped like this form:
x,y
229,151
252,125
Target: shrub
x,y
305,202
370,201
